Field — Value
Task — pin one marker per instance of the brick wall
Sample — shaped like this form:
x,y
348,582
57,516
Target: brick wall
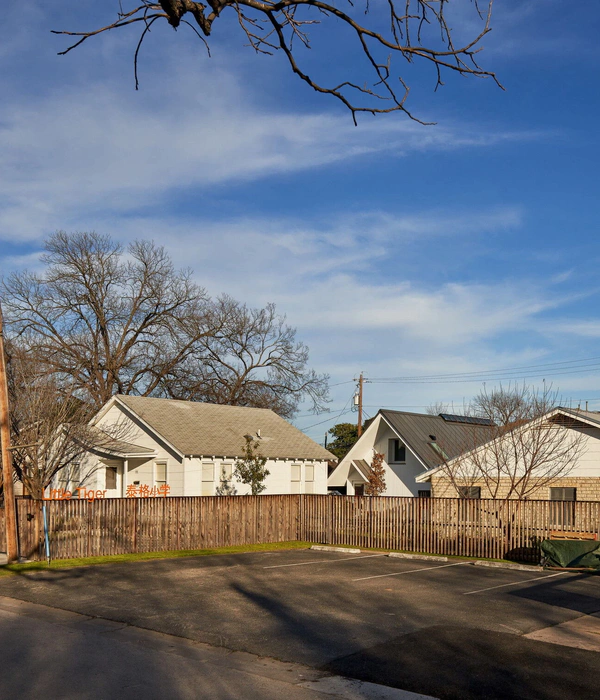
x,y
588,488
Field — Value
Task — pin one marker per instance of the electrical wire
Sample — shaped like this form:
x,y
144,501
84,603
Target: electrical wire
x,y
548,368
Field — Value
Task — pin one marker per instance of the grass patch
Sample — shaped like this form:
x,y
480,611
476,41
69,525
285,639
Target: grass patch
x,y
9,569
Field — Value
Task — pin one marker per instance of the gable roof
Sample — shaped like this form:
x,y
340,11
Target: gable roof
x,y
451,435
579,417
197,429
104,443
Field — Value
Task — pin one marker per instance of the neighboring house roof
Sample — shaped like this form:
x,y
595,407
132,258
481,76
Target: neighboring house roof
x,y
195,428
452,435
589,417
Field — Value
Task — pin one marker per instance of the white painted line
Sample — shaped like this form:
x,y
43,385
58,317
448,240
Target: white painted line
x,y
324,561
516,583
411,571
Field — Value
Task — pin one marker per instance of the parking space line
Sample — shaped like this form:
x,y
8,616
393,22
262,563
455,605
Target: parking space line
x,y
324,561
516,583
411,571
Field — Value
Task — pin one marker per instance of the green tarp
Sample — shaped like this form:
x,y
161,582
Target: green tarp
x,y
571,554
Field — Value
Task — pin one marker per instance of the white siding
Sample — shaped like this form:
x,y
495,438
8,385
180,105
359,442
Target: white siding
x,y
190,476
399,478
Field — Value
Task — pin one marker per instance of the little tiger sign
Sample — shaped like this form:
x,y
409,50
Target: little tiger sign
x,y
83,493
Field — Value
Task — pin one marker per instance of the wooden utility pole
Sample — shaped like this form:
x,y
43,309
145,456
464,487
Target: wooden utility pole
x,y
360,401
7,476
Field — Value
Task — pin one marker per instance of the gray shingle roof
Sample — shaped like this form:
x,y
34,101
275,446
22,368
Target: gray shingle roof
x,y
453,438
210,429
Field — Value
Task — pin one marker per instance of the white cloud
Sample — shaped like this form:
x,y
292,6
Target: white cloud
x,y
94,149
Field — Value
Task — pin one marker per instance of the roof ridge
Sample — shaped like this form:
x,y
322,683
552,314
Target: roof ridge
x,y
410,413
195,403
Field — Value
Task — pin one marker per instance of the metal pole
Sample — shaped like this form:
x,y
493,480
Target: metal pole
x,y
360,401
10,516
46,537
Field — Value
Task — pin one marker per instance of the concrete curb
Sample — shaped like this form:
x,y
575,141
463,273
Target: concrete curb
x,y
507,565
327,548
420,557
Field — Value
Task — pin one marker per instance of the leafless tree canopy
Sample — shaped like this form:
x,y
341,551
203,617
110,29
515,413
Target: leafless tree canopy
x,y
526,451
48,423
385,33
105,320
250,358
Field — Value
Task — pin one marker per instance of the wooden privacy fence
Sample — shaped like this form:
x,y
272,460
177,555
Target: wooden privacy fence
x,y
446,526
78,528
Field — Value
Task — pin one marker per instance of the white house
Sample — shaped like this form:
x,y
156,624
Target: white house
x,y
411,443
184,448
561,450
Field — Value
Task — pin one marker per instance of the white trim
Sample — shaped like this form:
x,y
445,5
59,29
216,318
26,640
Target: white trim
x,y
146,425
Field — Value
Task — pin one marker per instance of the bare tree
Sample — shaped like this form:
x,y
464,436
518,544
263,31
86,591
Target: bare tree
x,y
251,358
511,404
385,33
105,320
107,323
529,448
434,409
49,424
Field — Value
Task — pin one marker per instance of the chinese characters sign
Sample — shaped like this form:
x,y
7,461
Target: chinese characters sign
x,y
144,491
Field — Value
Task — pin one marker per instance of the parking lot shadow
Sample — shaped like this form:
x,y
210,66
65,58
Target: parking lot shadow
x,y
459,663
560,592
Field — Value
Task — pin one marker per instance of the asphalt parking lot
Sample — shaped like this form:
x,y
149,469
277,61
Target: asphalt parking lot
x,y
450,630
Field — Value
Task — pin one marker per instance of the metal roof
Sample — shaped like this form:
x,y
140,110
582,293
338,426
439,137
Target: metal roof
x,y
212,429
421,432
473,420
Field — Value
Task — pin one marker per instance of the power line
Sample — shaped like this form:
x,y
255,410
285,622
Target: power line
x,y
472,379
559,367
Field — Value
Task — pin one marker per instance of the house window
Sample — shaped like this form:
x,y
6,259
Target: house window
x,y
226,473
396,451
469,491
161,473
296,478
111,478
562,508
309,477
208,478
424,494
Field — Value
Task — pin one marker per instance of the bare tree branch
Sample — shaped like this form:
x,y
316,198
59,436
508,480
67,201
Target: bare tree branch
x,y
407,30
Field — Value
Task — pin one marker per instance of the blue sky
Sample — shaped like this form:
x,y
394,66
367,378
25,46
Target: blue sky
x,y
396,249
